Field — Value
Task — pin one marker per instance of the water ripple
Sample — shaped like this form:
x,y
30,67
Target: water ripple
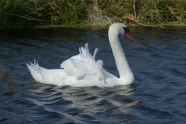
x,y
158,95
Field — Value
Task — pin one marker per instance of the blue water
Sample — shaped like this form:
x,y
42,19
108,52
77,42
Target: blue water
x,y
157,58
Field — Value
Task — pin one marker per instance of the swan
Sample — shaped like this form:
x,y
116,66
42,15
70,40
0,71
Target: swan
x,y
83,70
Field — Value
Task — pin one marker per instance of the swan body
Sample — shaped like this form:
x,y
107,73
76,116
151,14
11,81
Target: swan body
x,y
83,70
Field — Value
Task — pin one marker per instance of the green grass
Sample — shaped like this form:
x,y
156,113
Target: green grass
x,y
16,13
149,12
29,13
162,11
38,13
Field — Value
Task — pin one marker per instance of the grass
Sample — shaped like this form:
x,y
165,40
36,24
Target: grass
x,y
17,13
39,13
29,13
162,12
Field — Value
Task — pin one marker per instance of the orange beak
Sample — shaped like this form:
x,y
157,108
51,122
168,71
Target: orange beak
x,y
128,36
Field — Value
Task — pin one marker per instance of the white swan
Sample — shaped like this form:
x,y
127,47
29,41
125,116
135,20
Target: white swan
x,y
83,70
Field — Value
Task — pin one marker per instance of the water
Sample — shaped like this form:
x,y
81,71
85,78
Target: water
x,y
158,95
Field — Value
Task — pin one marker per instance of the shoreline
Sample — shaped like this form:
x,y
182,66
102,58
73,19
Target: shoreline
x,y
89,26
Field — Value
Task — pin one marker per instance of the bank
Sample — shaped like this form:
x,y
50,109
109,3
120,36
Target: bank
x,y
91,13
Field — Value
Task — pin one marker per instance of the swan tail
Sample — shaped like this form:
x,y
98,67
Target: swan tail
x,y
34,69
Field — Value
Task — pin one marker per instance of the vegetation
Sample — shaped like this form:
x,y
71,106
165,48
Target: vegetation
x,y
26,13
33,13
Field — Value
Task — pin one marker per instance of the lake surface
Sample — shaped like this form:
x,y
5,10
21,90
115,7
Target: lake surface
x,y
156,57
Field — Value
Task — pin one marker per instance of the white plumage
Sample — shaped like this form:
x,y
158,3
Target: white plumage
x,y
83,70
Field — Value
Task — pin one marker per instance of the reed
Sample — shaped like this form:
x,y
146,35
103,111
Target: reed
x,y
29,13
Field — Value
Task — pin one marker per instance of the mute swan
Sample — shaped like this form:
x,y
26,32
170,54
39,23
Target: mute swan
x,y
83,70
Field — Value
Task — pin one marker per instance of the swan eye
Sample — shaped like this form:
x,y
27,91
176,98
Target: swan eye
x,y
126,30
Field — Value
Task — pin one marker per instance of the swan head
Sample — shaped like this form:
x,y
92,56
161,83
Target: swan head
x,y
119,29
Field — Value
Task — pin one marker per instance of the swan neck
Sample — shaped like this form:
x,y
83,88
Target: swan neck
x,y
119,56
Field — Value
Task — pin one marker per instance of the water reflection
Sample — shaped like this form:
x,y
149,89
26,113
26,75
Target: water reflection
x,y
89,104
6,85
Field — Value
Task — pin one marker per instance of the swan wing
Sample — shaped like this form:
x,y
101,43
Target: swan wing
x,y
79,71
83,65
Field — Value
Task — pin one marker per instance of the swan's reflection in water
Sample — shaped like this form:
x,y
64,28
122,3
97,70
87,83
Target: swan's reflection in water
x,y
91,104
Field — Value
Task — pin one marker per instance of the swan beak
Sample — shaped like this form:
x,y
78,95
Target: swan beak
x,y
128,36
